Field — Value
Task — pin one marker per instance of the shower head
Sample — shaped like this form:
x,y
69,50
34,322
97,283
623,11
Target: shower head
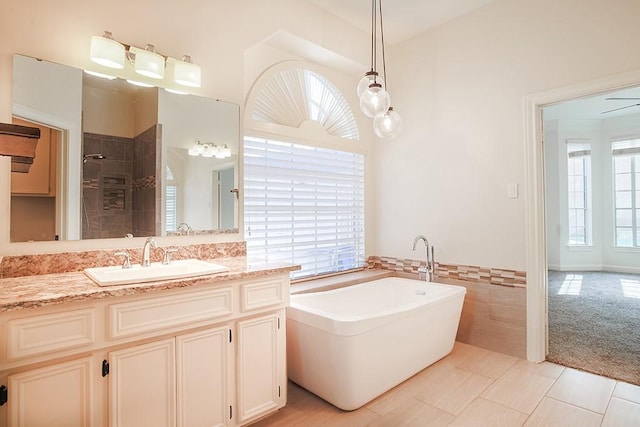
x,y
93,157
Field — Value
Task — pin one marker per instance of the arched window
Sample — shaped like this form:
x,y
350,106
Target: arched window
x,y
296,95
303,204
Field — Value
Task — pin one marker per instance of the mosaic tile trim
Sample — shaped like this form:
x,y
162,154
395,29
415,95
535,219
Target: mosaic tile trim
x,y
494,276
66,262
146,182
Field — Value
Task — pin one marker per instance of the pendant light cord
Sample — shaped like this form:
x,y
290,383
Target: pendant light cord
x,y
373,36
384,62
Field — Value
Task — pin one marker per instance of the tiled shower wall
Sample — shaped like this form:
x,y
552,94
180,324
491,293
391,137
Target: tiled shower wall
x,y
119,192
145,170
106,183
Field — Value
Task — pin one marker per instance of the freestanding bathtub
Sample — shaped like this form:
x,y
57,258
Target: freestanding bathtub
x,y
351,344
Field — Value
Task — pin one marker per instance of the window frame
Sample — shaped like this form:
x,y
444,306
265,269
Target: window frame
x,y
628,148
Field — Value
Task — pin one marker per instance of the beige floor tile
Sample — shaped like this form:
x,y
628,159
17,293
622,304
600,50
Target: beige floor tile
x,y
546,369
397,395
627,391
414,413
485,413
622,413
490,364
454,391
552,412
461,354
519,390
582,389
361,417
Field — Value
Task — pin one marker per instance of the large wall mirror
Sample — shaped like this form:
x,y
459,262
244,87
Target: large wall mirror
x,y
118,160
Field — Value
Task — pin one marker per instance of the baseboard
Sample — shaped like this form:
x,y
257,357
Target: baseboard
x,y
608,268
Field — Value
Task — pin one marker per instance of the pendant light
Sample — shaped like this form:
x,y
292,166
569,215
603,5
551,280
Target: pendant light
x,y
375,101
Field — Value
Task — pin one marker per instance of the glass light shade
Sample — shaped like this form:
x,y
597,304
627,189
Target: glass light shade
x,y
387,124
186,73
148,63
226,151
374,100
138,83
175,91
101,75
107,52
368,78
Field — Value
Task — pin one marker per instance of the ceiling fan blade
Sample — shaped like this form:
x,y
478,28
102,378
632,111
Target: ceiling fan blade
x,y
621,108
621,99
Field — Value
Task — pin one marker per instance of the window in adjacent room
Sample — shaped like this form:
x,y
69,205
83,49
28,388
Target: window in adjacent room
x,y
304,205
626,187
579,192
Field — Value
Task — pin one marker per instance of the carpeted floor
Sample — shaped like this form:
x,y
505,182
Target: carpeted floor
x,y
594,323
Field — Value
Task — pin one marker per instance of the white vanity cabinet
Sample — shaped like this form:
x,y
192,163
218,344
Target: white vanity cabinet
x,y
61,395
181,381
205,355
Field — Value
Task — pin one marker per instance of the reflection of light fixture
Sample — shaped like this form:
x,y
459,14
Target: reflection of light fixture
x,y
209,149
106,51
147,62
374,98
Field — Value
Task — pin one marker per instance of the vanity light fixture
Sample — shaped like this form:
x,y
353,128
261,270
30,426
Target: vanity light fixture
x,y
126,61
185,72
147,62
374,99
107,52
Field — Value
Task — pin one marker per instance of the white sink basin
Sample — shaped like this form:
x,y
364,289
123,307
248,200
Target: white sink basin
x,y
180,269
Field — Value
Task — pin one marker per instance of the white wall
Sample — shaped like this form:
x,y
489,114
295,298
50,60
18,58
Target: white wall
x,y
460,90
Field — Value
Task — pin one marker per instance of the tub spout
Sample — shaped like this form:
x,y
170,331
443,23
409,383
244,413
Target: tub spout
x,y
426,272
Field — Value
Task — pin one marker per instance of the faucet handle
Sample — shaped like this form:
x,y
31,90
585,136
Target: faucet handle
x,y
127,259
166,258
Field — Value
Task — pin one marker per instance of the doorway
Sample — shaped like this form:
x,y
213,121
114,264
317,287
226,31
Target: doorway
x,y
537,283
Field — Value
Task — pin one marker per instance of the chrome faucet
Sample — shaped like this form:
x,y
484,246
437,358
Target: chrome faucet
x,y
184,226
150,243
428,269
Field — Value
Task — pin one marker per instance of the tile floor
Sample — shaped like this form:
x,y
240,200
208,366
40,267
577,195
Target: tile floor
x,y
477,387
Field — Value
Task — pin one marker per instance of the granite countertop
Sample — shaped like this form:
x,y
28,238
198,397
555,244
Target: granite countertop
x,y
52,289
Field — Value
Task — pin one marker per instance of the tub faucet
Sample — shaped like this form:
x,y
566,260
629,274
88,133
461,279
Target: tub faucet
x,y
428,269
150,243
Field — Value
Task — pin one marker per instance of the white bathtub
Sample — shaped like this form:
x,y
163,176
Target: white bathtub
x,y
352,344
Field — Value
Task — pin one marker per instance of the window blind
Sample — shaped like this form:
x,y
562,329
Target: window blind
x,y
304,205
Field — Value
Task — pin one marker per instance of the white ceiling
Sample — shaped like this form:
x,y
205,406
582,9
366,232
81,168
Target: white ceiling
x,y
402,19
597,107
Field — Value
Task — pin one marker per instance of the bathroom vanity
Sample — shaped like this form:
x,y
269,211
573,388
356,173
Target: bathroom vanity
x,y
189,352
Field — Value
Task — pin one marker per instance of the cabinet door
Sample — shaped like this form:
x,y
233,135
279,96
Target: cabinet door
x,y
203,371
142,385
260,372
58,395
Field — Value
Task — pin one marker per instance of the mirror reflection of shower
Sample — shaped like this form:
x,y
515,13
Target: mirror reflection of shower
x,y
85,159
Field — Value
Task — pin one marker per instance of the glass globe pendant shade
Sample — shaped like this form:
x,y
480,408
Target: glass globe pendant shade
x,y
374,100
369,77
388,124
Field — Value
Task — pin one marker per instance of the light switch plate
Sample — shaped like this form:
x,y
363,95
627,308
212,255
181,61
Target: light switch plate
x,y
512,191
